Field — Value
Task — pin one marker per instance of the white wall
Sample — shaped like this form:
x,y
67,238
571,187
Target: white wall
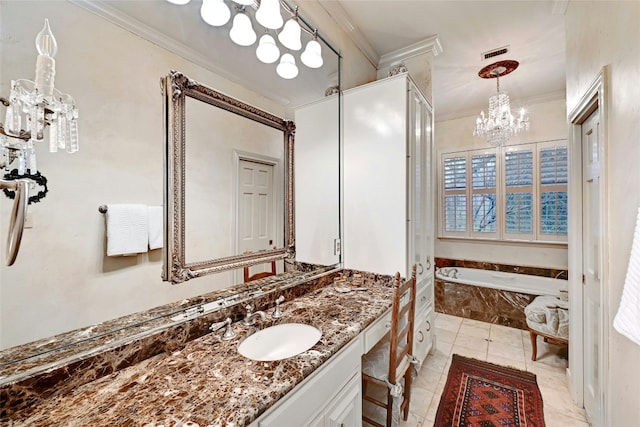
x,y
548,122
356,68
599,34
62,279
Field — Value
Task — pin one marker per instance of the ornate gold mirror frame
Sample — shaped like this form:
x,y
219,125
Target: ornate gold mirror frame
x,y
176,88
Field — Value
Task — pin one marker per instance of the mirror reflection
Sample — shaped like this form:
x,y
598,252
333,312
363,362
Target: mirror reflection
x,y
63,281
252,218
234,180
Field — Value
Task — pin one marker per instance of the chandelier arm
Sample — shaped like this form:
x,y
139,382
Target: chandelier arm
x,y
24,135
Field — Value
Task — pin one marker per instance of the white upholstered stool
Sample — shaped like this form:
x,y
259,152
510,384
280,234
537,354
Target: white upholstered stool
x,y
548,316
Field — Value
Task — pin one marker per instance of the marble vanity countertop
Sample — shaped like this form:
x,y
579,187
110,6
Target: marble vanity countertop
x,y
207,382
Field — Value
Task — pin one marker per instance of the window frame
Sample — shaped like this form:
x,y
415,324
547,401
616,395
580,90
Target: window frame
x,y
535,237
453,192
521,237
486,235
557,187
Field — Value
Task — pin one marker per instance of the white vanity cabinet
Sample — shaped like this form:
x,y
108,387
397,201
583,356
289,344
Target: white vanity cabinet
x,y
330,397
388,188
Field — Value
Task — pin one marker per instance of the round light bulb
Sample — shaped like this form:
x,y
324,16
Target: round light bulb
x,y
268,14
179,2
290,35
312,55
215,12
242,32
267,50
287,68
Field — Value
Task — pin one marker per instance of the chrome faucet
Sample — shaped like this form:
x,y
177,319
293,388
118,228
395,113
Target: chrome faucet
x,y
277,313
250,318
448,272
228,332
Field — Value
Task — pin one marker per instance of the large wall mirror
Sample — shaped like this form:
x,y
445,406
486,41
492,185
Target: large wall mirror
x,y
229,182
63,289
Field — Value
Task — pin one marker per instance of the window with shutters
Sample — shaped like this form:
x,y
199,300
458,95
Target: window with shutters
x,y
518,192
483,193
455,194
554,178
513,193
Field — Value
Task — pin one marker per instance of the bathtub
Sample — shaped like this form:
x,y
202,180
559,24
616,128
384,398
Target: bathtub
x,y
522,283
490,296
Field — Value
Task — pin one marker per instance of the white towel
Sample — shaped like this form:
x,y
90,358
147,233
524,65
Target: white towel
x,y
156,221
127,229
627,321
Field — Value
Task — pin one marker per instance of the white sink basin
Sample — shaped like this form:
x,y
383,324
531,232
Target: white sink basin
x,y
279,342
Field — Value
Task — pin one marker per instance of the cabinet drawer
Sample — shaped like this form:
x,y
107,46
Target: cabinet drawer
x,y
423,334
424,294
376,331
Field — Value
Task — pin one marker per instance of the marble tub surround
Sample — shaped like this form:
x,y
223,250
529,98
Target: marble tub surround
x,y
88,354
489,305
553,273
207,381
500,307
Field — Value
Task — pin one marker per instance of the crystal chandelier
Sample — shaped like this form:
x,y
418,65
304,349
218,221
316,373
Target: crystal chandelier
x,y
268,15
499,124
34,105
35,112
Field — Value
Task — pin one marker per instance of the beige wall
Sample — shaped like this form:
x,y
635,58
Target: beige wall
x,y
62,279
548,122
356,68
420,68
599,34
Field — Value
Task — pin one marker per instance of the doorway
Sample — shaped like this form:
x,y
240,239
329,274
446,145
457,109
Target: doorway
x,y
591,262
256,208
588,254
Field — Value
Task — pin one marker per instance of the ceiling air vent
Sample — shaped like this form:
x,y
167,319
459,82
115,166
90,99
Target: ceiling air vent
x,y
495,52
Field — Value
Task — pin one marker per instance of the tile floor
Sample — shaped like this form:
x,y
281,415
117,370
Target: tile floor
x,y
496,344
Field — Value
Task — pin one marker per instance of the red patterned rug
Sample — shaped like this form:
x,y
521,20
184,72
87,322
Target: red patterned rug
x,y
481,394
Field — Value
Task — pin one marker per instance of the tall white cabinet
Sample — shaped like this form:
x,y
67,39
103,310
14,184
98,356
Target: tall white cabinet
x,y
388,188
317,183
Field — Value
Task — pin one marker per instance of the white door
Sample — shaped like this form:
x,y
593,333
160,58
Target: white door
x,y
256,209
592,324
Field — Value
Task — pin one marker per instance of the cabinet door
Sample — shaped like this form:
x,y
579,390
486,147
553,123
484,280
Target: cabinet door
x,y
375,177
429,196
347,409
419,186
317,189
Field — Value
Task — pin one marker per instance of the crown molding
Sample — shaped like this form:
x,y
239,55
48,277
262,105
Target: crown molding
x,y
156,37
340,16
430,44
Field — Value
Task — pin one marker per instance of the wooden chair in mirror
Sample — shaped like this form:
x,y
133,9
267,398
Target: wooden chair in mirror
x,y
260,275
